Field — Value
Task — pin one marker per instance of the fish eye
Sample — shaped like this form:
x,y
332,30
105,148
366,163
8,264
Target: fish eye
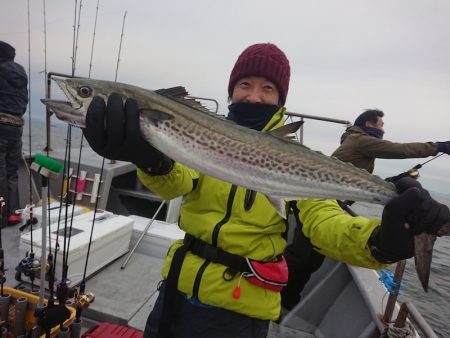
x,y
84,91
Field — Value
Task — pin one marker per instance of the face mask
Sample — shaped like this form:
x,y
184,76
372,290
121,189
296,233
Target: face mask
x,y
251,115
375,132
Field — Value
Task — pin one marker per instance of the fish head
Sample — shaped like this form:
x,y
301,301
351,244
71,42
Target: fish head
x,y
79,93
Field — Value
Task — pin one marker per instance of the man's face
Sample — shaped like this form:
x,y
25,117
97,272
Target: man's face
x,y
379,124
255,89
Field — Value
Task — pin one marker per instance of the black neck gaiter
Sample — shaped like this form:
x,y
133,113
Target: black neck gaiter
x,y
375,132
252,115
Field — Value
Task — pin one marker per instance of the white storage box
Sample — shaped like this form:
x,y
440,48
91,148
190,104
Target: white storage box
x,y
160,235
54,212
110,240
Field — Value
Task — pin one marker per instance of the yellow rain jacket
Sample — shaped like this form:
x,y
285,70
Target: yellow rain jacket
x,y
213,211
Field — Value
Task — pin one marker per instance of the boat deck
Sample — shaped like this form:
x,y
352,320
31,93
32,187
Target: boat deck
x,y
125,296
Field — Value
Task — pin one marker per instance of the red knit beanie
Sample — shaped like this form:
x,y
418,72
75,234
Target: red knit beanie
x,y
263,59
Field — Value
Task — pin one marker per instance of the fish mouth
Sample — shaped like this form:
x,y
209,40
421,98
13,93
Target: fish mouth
x,y
65,111
67,90
57,106
72,110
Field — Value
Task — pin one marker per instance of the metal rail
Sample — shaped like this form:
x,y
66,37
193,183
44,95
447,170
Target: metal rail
x,y
205,99
48,114
318,118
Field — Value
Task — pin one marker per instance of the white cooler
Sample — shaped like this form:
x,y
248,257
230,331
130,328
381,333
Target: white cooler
x,y
110,240
54,212
160,235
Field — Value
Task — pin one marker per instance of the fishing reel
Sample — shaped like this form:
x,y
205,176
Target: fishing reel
x,y
84,300
28,223
25,214
30,267
413,173
64,291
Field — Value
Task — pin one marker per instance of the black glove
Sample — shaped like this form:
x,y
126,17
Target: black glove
x,y
443,147
113,132
428,215
392,241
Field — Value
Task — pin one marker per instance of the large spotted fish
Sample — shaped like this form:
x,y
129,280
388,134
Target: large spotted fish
x,y
281,169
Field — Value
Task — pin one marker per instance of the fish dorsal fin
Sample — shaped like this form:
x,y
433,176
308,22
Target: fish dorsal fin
x,y
180,94
287,129
176,92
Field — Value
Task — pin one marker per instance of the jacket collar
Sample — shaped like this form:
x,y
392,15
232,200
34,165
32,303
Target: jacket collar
x,y
276,121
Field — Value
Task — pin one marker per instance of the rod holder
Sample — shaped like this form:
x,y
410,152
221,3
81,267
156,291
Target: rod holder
x,y
76,328
64,332
21,310
5,300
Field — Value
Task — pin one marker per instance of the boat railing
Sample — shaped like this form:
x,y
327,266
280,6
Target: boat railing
x,y
199,98
48,114
408,309
302,117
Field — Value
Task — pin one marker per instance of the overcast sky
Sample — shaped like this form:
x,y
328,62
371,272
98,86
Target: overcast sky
x,y
345,56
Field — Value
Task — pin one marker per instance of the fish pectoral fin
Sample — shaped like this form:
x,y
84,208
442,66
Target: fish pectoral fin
x,y
278,204
287,129
156,115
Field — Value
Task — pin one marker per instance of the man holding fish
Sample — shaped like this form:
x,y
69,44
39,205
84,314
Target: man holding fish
x,y
224,279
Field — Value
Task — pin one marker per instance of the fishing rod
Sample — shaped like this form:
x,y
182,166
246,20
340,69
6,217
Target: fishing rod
x,y
93,39
28,265
83,299
413,172
77,175
62,289
29,142
64,199
48,315
120,46
66,250
75,37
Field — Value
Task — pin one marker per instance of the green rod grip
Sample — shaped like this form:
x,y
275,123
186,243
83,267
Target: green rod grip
x,y
48,163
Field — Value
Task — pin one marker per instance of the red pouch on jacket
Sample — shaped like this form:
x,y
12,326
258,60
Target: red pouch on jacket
x,y
269,275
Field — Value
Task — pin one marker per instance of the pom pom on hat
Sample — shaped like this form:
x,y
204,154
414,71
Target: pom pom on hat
x,y
263,59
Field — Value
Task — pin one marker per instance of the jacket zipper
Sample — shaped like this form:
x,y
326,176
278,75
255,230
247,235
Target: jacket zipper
x,y
215,236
